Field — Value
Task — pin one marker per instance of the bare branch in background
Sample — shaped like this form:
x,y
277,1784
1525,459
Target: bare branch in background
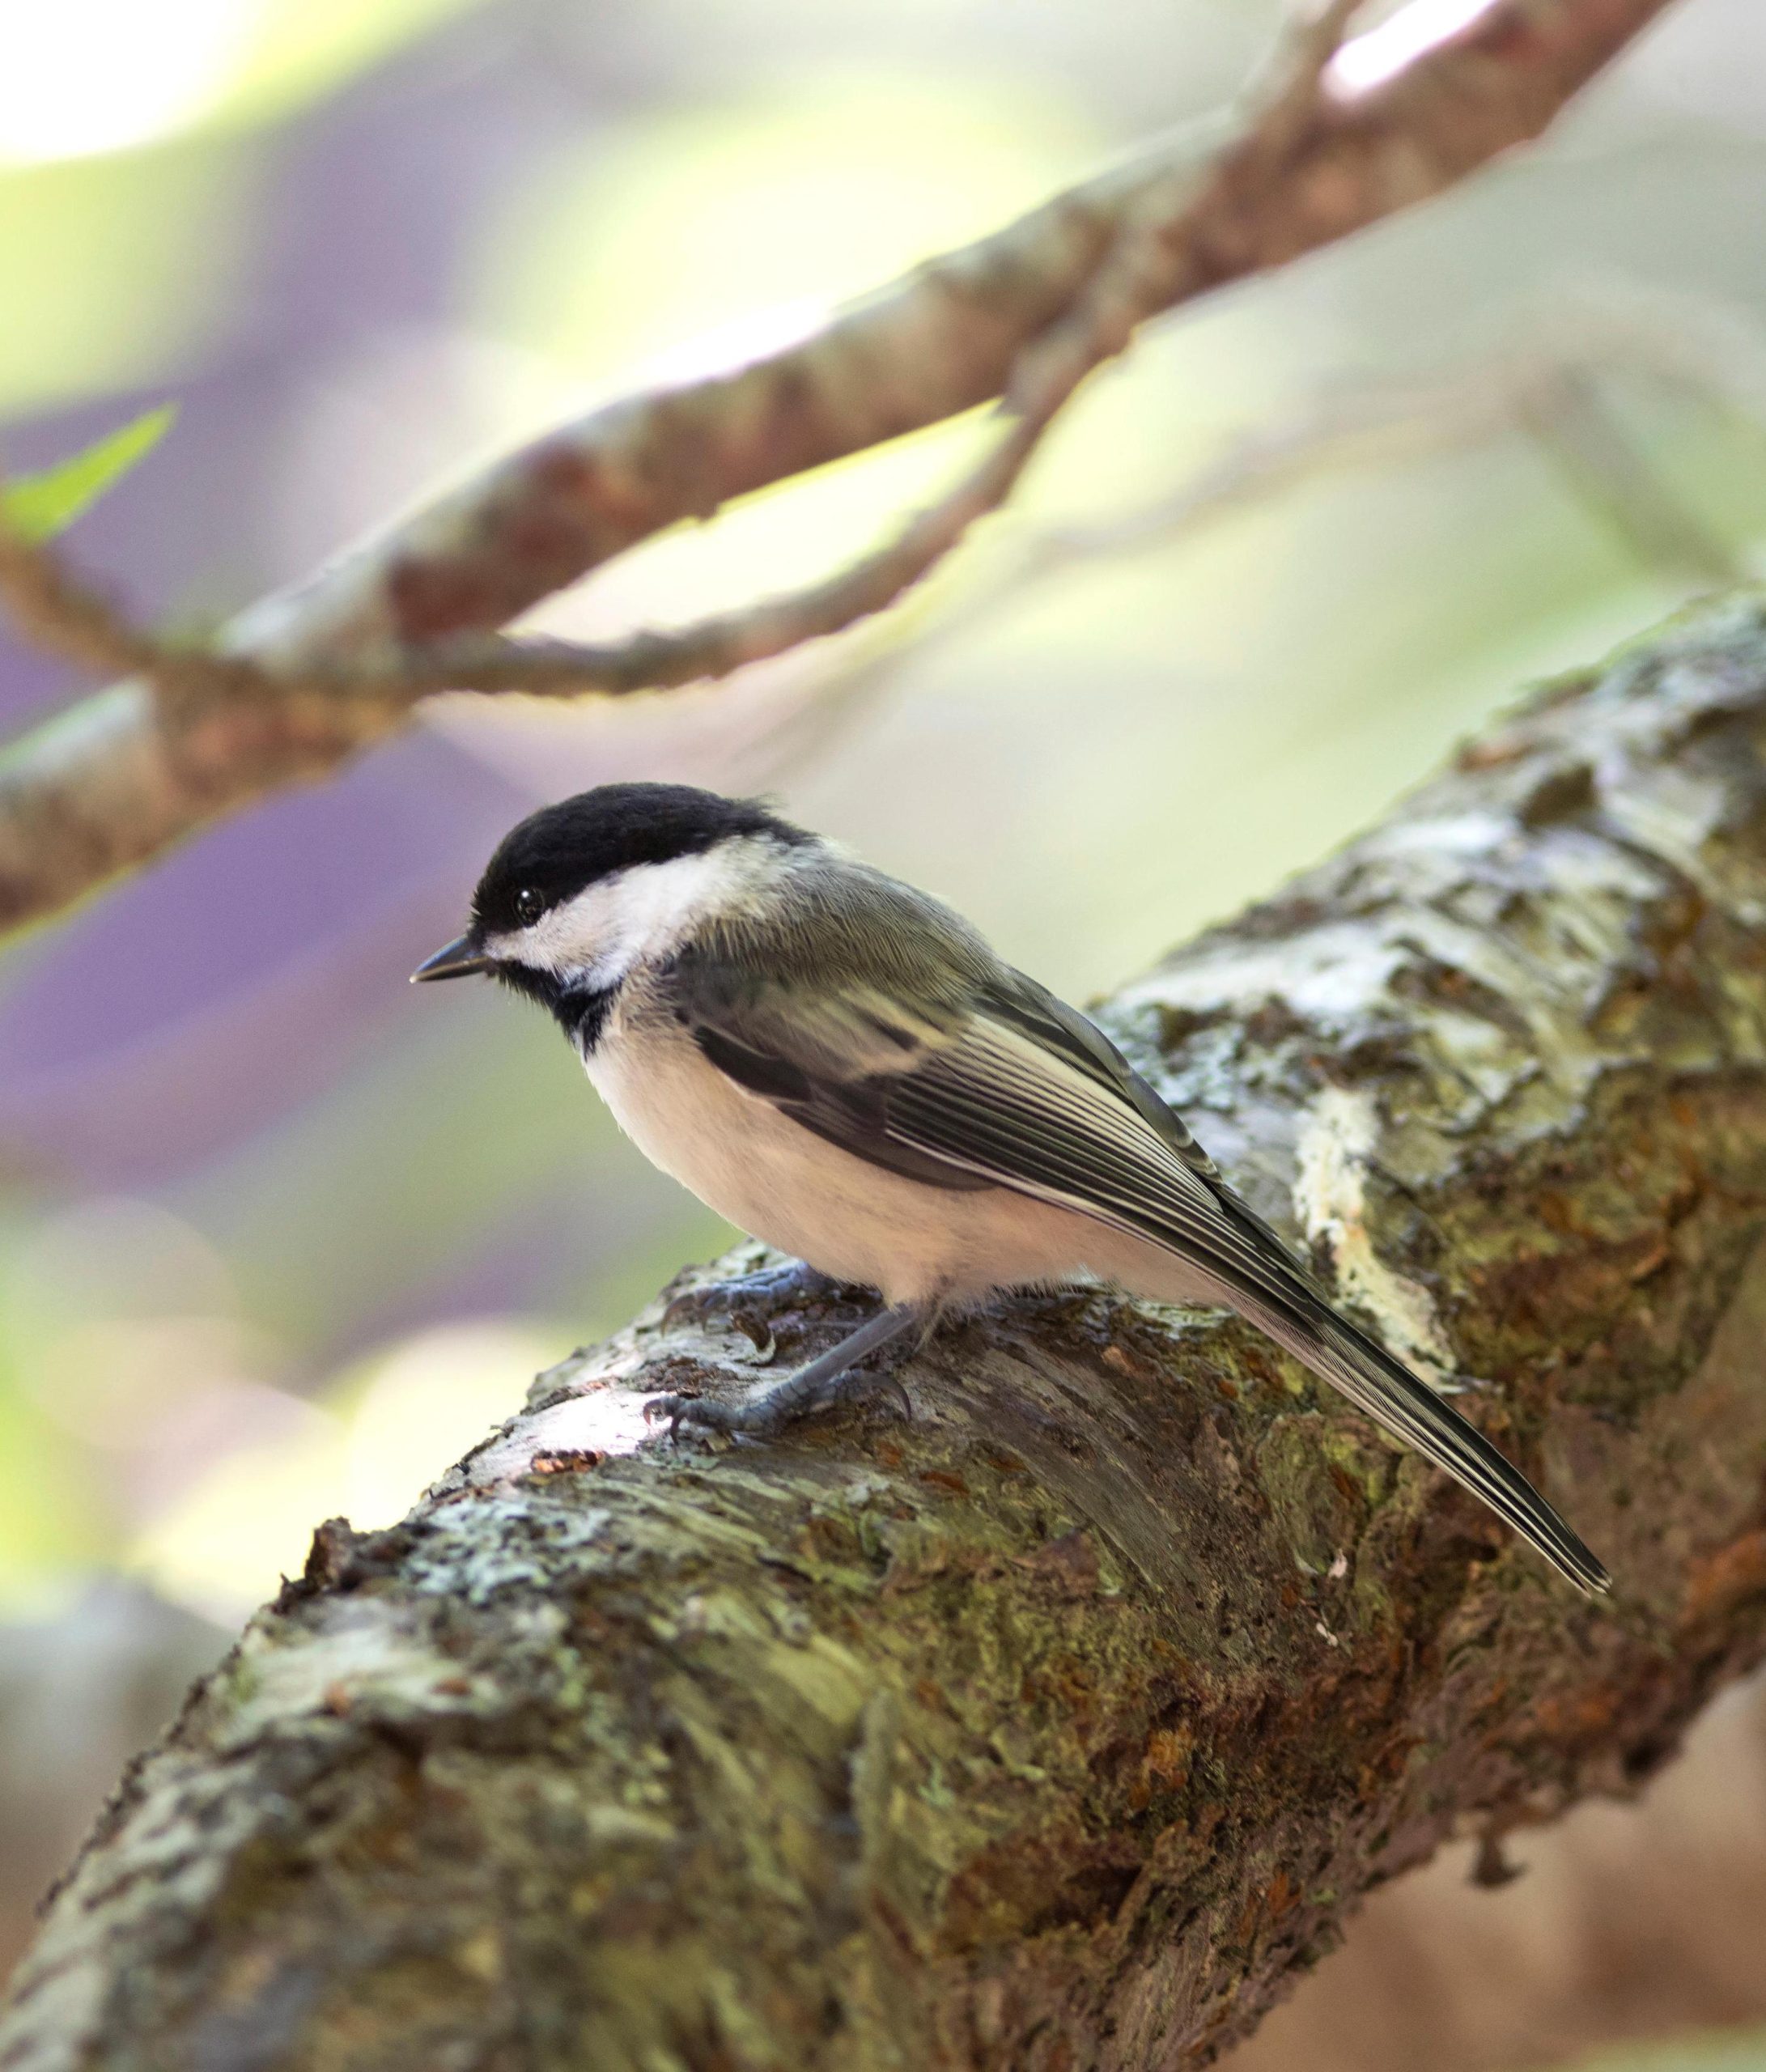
x,y
1567,416
311,676
1587,347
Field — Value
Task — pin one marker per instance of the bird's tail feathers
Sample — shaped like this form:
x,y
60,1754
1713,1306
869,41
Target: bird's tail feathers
x,y
1385,1390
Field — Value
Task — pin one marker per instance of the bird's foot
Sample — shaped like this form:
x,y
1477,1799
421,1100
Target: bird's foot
x,y
830,1380
792,1280
746,1300
761,1418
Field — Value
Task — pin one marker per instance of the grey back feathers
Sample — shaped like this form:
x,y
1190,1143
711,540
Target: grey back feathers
x,y
839,958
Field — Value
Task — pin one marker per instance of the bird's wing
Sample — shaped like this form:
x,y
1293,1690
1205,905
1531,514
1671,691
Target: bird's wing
x,y
1018,1003
991,1081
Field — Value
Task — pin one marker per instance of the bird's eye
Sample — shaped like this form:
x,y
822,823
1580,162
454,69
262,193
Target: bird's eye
x,y
529,904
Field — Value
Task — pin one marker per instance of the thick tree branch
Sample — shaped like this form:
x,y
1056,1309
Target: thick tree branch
x,y
325,670
1060,1725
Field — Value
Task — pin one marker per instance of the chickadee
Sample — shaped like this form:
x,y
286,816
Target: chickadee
x,y
840,1065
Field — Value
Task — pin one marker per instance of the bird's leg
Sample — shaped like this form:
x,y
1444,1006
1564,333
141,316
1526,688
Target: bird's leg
x,y
820,1382
744,1301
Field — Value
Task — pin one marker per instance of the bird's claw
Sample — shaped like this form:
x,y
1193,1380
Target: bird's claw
x,y
759,1418
659,1407
893,1386
693,1413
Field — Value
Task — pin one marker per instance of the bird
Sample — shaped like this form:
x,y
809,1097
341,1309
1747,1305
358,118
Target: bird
x,y
840,1065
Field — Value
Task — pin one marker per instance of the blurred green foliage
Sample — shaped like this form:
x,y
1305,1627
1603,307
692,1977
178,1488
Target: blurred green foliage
x,y
1721,2050
129,265
134,140
53,1523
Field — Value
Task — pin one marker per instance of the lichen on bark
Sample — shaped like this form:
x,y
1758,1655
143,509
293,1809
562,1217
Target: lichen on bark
x,y
1060,1724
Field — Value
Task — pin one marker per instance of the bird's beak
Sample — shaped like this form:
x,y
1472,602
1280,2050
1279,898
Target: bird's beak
x,y
455,960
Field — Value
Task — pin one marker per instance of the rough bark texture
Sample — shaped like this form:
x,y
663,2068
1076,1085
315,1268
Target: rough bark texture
x,y
1058,1726
124,776
1618,1924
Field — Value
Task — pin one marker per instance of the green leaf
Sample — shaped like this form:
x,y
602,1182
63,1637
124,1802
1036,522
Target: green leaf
x,y
38,507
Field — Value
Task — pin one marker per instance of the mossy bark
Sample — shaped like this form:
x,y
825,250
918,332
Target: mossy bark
x,y
1060,1725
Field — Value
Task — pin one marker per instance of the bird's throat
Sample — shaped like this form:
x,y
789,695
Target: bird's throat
x,y
584,1013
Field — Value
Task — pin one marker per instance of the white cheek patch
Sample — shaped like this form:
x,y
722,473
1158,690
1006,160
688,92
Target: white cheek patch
x,y
596,938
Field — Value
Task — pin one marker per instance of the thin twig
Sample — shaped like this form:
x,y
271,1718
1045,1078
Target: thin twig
x,y
1144,271
1136,277
1571,423
1509,390
307,678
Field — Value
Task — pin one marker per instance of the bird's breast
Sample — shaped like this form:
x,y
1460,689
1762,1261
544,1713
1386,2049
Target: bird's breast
x,y
756,1167
780,1183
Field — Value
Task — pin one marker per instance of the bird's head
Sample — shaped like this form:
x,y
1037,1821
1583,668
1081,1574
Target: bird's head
x,y
580,892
